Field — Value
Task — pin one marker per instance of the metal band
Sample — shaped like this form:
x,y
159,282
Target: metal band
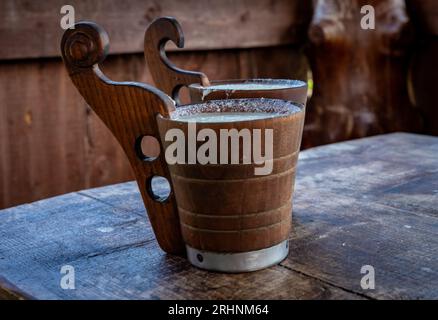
x,y
238,262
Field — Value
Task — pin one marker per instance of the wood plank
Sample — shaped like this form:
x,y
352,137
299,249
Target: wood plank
x,y
52,143
369,202
30,29
115,256
42,150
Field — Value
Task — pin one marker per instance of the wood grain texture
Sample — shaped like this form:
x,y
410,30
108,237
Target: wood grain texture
x,y
368,201
30,29
377,205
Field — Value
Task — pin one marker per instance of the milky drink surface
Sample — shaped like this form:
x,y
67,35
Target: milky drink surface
x,y
223,111
226,116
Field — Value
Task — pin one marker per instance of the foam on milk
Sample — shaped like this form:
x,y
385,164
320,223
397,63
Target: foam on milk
x,y
226,116
232,110
253,84
248,85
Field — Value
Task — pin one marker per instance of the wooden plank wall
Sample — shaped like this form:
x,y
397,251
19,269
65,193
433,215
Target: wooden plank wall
x,y
50,141
32,28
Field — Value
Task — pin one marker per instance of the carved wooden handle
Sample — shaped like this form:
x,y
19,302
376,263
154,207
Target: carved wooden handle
x,y
129,110
166,75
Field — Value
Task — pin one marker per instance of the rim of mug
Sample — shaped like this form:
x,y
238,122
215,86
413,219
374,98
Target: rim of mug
x,y
288,84
300,106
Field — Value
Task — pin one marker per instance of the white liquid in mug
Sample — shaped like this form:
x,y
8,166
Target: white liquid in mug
x,y
225,116
249,86
233,110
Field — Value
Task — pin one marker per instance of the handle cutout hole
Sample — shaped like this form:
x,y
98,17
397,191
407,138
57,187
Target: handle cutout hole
x,y
181,95
158,188
147,148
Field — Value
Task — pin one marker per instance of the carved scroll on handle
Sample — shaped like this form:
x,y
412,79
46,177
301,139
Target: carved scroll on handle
x,y
129,110
166,75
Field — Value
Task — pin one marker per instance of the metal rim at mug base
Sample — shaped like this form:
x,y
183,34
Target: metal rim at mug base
x,y
238,262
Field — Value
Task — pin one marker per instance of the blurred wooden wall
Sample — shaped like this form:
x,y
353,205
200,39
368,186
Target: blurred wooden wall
x,y
52,143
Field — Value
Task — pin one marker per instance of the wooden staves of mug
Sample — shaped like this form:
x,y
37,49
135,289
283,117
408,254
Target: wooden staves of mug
x,y
228,208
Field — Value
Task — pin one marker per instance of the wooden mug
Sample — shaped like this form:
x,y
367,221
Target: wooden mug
x,y
233,219
204,212
170,79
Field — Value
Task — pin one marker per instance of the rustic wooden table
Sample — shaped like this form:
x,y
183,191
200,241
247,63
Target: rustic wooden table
x,y
371,201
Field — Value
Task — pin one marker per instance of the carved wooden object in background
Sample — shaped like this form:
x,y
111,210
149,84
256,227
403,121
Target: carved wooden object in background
x,y
360,75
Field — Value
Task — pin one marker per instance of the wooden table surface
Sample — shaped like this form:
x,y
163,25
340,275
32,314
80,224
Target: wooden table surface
x,y
371,201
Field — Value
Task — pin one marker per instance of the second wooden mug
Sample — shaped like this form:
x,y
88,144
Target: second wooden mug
x,y
170,79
